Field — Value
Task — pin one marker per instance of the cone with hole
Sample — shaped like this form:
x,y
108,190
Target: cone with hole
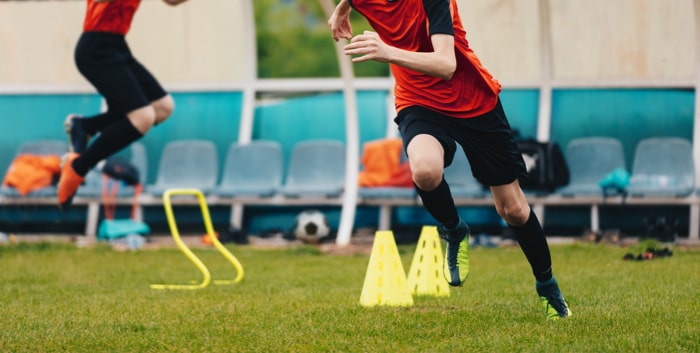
x,y
425,274
385,280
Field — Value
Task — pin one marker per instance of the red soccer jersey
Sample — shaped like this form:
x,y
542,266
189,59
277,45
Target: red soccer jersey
x,y
114,16
408,24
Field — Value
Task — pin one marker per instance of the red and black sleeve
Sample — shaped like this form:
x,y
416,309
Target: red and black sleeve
x,y
439,16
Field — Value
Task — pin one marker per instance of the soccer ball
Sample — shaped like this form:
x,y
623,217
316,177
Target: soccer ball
x,y
311,226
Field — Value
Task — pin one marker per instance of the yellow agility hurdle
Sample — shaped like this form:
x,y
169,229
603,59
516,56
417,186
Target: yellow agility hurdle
x,y
167,204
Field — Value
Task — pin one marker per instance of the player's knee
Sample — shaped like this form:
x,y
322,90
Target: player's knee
x,y
143,119
426,176
514,213
164,107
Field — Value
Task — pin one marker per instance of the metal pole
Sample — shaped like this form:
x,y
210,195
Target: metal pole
x,y
693,232
245,132
347,217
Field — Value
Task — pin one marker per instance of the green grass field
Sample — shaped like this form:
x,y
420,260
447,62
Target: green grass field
x,y
59,298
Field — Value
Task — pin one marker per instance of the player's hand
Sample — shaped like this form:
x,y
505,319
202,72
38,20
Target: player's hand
x,y
368,46
339,22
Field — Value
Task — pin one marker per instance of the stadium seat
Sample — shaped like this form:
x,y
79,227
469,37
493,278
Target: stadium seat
x,y
254,169
186,164
387,197
460,179
139,158
92,186
38,147
663,166
316,168
388,194
94,180
44,147
590,159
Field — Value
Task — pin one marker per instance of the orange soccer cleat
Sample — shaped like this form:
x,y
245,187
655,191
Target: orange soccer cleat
x,y
69,182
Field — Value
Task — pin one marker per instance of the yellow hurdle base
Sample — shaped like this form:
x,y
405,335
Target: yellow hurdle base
x,y
206,280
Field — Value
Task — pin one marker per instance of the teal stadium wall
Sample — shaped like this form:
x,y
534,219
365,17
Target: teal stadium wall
x,y
628,114
216,117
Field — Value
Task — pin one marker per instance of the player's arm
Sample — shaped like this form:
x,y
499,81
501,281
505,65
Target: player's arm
x,y
174,2
340,21
441,62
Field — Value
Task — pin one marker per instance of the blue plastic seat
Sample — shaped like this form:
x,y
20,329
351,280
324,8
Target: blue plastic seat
x,y
663,166
38,147
316,168
94,180
44,147
390,194
462,182
139,158
186,164
387,193
590,159
92,186
254,169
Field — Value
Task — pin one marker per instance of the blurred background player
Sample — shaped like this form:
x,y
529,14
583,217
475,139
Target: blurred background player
x,y
135,100
445,96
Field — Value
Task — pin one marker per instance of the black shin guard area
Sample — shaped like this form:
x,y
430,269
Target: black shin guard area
x,y
534,244
440,204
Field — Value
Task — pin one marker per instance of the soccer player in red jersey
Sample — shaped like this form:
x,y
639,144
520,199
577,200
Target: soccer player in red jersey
x,y
445,96
135,100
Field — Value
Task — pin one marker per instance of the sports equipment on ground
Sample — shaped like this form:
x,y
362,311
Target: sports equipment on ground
x,y
206,217
311,226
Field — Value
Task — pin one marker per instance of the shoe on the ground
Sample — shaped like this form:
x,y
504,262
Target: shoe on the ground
x,y
77,136
553,302
456,266
69,182
555,308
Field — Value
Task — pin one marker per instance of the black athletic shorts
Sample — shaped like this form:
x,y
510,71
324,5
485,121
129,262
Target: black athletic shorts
x,y
105,60
487,140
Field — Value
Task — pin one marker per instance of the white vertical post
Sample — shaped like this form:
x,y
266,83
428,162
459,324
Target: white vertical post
x,y
693,231
391,129
544,117
93,215
385,217
347,217
245,132
595,220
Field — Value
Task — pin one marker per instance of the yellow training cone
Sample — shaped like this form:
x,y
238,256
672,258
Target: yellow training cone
x,y
385,281
425,275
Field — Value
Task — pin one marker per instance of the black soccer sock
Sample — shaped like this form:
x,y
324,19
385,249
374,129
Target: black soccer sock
x,y
534,244
112,140
440,204
97,123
